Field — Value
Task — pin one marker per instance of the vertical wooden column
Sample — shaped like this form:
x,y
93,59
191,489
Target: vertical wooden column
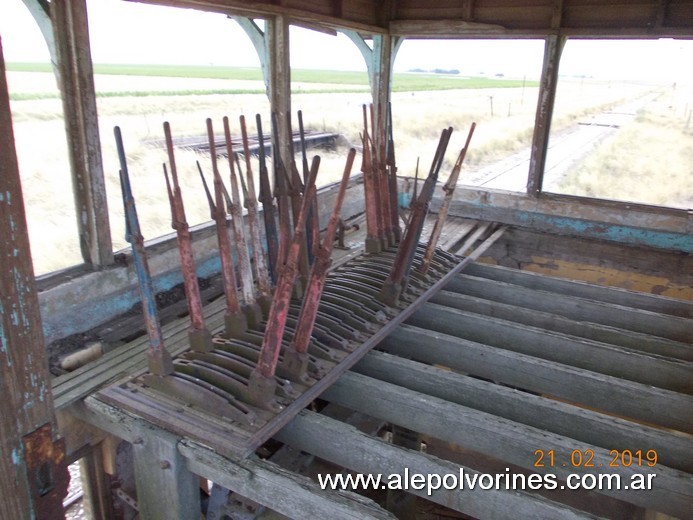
x,y
76,81
33,476
542,124
277,34
166,488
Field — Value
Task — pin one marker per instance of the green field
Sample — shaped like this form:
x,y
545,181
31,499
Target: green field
x,y
332,79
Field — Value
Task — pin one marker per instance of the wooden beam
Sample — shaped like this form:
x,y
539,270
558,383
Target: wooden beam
x,y
76,81
166,488
582,353
347,447
554,416
26,407
278,46
265,483
445,29
637,300
542,124
579,309
505,440
555,323
257,38
653,405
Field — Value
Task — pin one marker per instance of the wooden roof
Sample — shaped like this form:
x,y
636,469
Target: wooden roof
x,y
474,18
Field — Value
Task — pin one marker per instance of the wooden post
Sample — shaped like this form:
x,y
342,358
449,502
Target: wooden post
x,y
277,35
166,488
542,124
76,81
33,474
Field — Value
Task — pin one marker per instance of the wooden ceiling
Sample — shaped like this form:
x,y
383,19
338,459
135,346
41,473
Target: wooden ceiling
x,y
474,18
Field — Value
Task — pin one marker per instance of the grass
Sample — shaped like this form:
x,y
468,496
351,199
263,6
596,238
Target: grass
x,y
648,161
331,79
504,111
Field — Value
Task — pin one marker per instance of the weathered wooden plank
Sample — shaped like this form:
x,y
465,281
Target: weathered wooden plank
x,y
509,441
652,406
558,417
344,445
542,124
71,33
26,405
261,481
552,322
166,488
637,300
579,309
591,355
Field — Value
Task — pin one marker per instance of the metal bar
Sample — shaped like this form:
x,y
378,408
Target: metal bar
x,y
200,338
297,356
312,219
158,358
401,266
449,190
282,193
233,206
261,274
392,177
267,205
373,244
262,382
234,319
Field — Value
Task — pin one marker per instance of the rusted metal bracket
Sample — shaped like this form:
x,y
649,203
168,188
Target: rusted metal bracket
x,y
46,471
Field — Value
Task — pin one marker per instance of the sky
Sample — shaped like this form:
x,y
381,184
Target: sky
x,y
129,32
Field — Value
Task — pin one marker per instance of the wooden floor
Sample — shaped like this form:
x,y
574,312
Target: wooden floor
x,y
500,372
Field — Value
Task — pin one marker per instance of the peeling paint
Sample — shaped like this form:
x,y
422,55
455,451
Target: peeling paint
x,y
16,457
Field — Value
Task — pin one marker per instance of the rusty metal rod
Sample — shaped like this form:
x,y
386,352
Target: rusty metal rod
x,y
200,338
281,187
401,266
261,274
159,360
267,200
384,181
234,319
373,233
392,177
276,321
449,190
233,206
311,220
318,273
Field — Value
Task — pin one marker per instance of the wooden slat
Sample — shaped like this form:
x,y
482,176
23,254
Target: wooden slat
x,y
502,439
652,406
599,357
579,309
261,481
555,416
615,295
552,322
344,445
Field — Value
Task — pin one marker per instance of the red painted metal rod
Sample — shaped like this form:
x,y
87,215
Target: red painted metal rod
x,y
179,223
218,212
318,273
261,274
449,190
384,181
268,213
276,322
234,208
281,188
373,232
392,177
